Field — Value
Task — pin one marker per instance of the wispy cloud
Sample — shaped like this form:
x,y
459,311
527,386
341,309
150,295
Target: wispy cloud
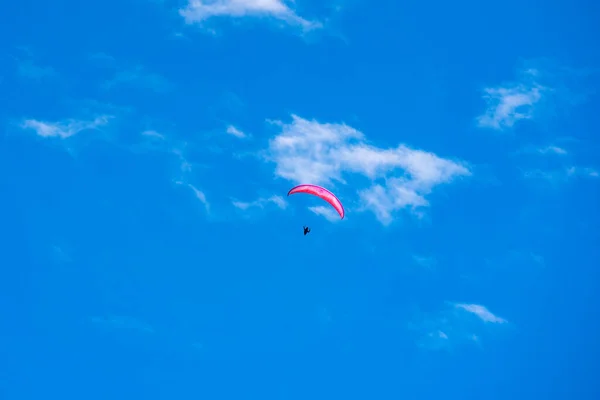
x,y
513,102
481,312
197,11
102,59
561,168
452,326
564,174
324,153
524,260
552,150
29,69
64,129
261,203
327,212
434,340
140,77
582,171
426,262
60,255
136,75
153,134
155,141
233,131
198,194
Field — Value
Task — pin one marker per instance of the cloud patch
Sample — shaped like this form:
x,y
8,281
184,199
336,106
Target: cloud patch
x,y
328,153
511,103
29,68
63,129
261,203
129,75
197,11
153,134
562,175
233,131
481,312
552,150
582,171
457,324
555,164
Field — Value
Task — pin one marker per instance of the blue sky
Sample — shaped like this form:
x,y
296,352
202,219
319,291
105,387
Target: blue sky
x,y
149,249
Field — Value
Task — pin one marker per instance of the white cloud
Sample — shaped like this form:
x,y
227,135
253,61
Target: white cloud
x,y
448,329
260,203
201,10
232,130
582,171
153,134
552,150
311,152
480,311
63,129
506,105
200,196
327,212
198,193
435,340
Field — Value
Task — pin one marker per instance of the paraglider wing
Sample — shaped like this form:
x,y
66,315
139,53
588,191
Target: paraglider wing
x,y
322,193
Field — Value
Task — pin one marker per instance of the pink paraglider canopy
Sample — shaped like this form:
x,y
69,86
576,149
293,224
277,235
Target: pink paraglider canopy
x,y
322,193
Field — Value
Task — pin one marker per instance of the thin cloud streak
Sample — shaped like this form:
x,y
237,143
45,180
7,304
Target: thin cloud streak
x,y
261,203
552,150
481,312
200,196
63,129
153,134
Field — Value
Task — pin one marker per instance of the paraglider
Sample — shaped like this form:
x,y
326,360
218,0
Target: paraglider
x,y
322,193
